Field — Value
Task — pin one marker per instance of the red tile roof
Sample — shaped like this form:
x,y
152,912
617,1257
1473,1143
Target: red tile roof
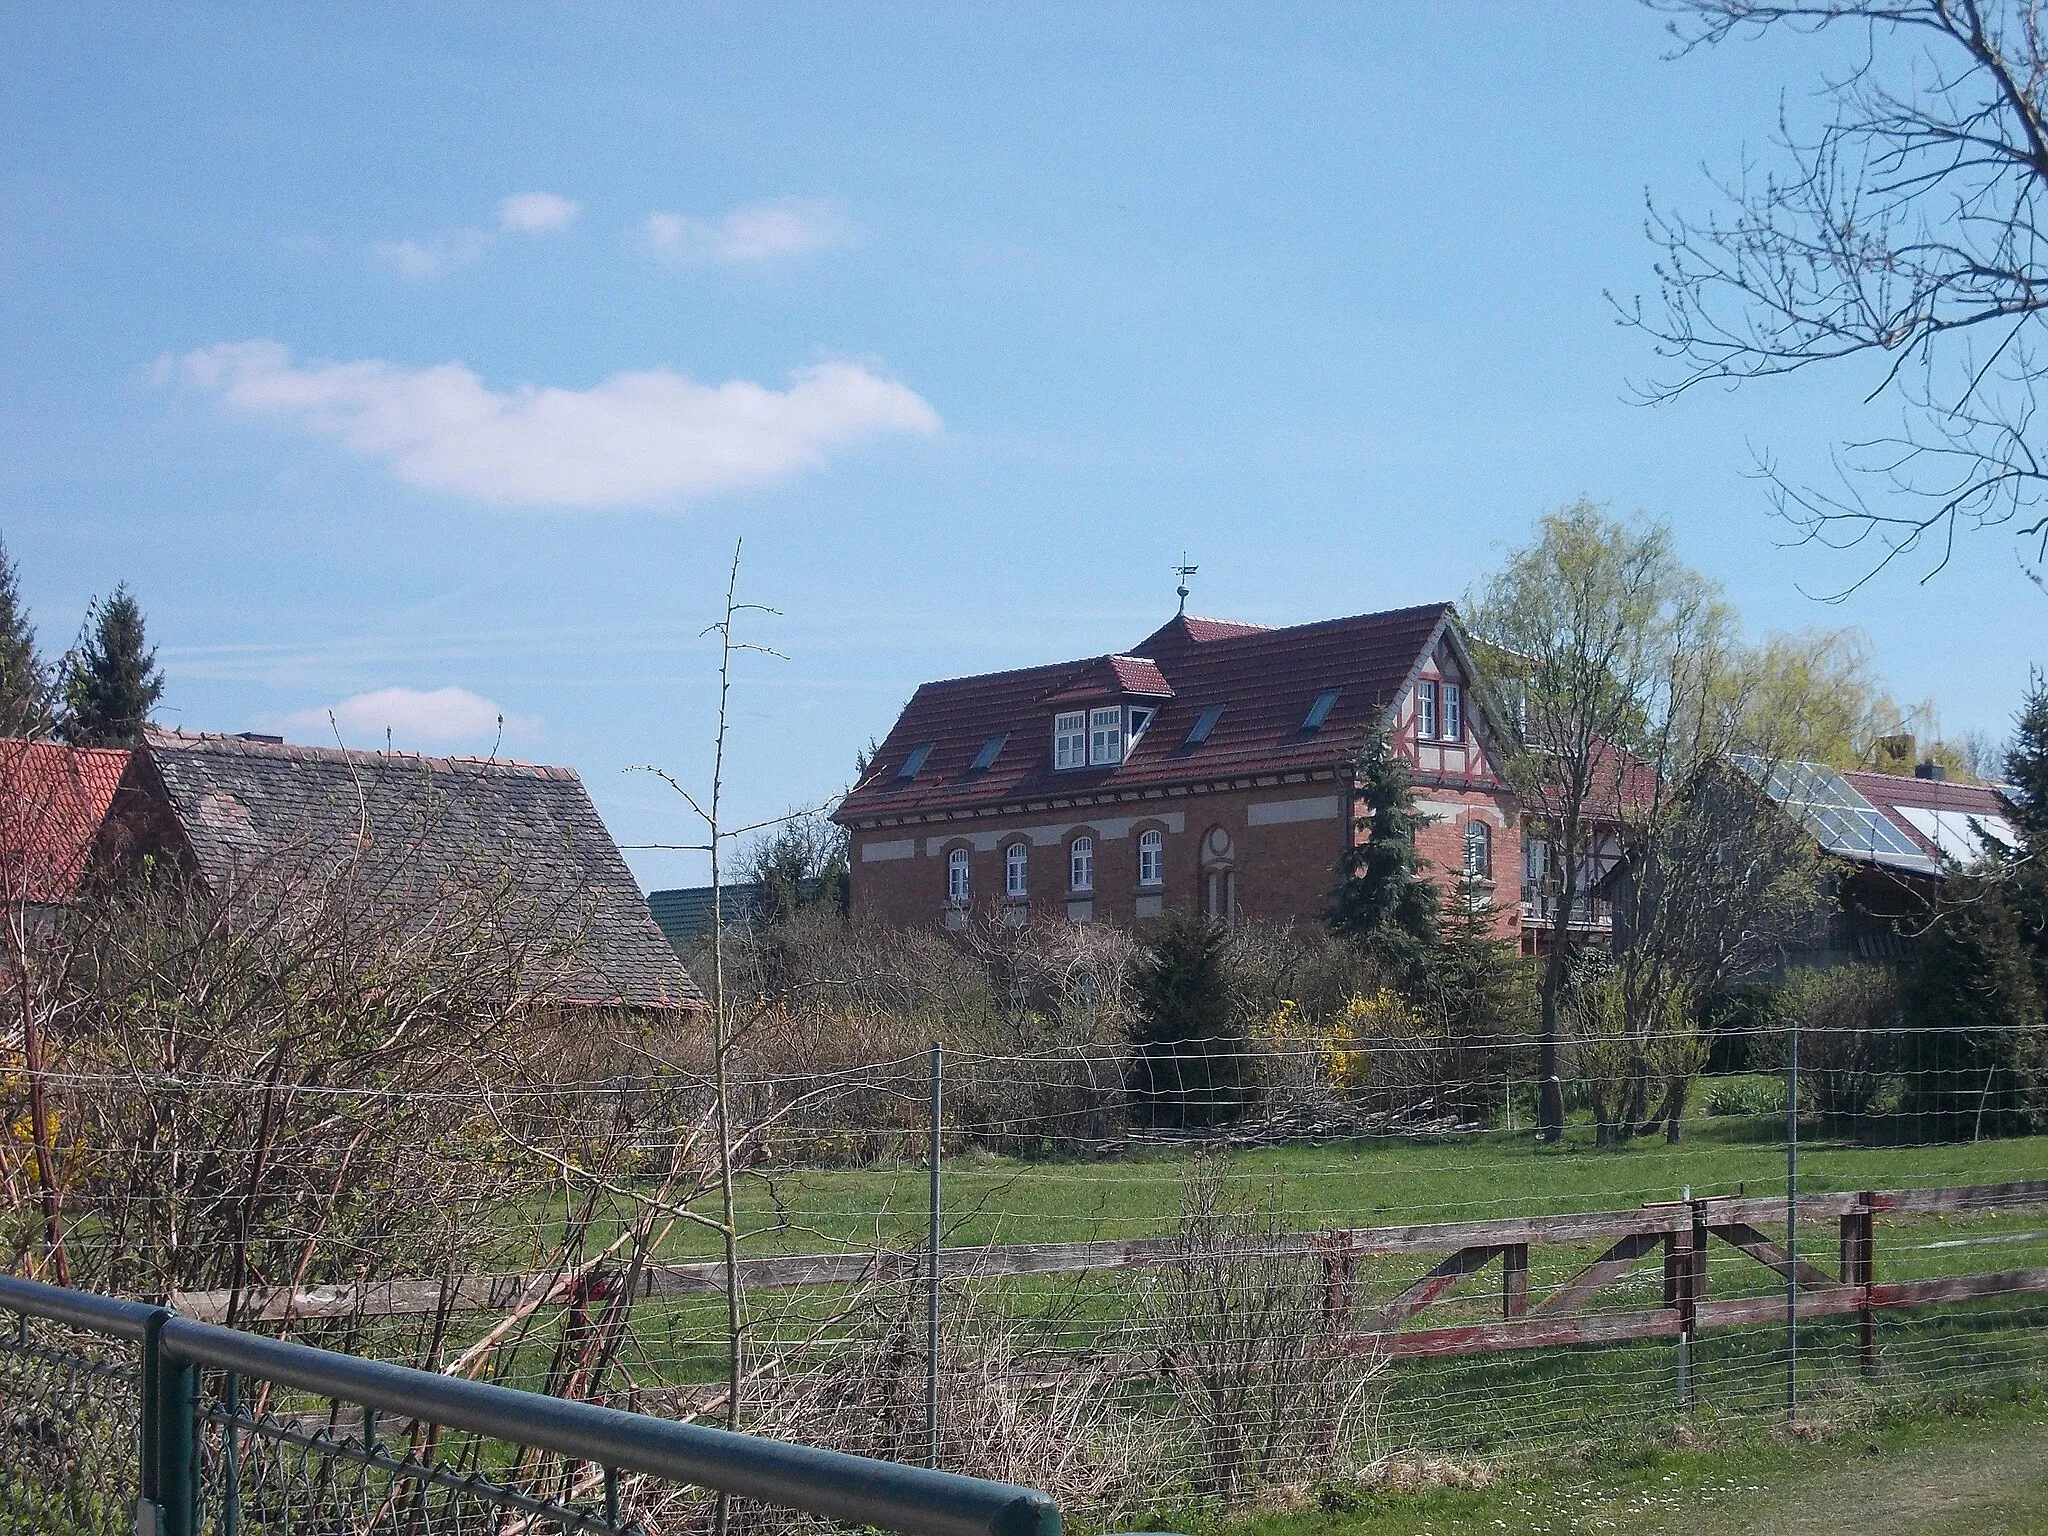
x,y
1263,679
1185,629
1620,781
53,800
1110,677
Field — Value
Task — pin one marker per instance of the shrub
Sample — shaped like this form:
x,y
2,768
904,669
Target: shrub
x,y
1848,1020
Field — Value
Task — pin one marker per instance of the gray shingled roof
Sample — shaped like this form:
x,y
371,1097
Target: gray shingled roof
x,y
242,803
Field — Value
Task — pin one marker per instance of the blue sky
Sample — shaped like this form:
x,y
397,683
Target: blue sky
x,y
418,357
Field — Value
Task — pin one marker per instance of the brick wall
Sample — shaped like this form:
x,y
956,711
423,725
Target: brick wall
x,y
1276,858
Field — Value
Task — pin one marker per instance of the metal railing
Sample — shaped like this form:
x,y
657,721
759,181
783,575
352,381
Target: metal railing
x,y
118,1417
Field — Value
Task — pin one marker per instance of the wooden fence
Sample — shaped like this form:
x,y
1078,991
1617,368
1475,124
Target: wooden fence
x,y
1681,1232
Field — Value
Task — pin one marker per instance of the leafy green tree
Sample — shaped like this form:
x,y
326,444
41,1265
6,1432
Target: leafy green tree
x,y
1385,904
1191,1064
111,681
26,695
1599,629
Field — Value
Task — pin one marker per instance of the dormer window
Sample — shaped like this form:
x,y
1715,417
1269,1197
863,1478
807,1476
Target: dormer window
x,y
913,763
1106,735
1141,720
1070,740
1319,711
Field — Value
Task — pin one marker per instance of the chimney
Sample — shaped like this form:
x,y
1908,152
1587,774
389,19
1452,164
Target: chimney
x,y
1930,770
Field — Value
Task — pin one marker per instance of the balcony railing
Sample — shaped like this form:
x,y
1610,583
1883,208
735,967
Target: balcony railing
x,y
1539,905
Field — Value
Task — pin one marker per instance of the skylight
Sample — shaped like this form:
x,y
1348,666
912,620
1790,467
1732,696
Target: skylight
x,y
987,755
1319,711
913,763
1204,725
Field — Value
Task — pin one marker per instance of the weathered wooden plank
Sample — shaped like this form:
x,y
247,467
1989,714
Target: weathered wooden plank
x,y
1740,1234
1603,1271
2018,1194
1741,1311
1534,1333
1447,1273
1919,1293
498,1292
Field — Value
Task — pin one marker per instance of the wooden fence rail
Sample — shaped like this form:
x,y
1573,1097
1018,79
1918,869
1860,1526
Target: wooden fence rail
x,y
1682,1232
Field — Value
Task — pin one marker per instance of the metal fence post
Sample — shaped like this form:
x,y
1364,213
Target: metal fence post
x,y
1678,1285
1792,1221
931,1372
168,1505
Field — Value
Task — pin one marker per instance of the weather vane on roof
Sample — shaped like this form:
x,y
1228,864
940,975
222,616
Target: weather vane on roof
x,y
1184,571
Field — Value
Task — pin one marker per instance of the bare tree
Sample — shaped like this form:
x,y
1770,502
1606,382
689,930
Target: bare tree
x,y
1904,229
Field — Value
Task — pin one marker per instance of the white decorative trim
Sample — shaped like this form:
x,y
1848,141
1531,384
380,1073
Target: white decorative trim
x,y
1274,813
1456,810
876,853
1052,834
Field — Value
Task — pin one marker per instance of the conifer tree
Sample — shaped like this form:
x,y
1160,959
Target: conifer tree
x,y
111,681
1190,1062
25,690
1480,1000
1385,905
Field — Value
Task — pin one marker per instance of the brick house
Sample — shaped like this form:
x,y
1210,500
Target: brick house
x,y
1206,768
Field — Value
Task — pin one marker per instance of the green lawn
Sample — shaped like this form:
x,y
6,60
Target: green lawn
x,y
1376,1182
1983,1472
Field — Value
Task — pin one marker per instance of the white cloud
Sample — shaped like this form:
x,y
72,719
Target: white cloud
x,y
418,260
635,439
440,717
758,232
536,213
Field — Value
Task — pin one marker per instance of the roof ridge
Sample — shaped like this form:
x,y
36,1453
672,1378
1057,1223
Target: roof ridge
x,y
243,746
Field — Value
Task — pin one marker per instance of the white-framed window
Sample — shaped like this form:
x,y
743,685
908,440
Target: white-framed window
x,y
1152,858
1106,735
1081,864
1017,870
956,877
1425,709
1478,850
1070,740
1140,720
1454,712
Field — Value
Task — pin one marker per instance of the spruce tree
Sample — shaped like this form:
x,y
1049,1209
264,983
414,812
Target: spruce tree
x,y
26,695
1478,1000
1385,905
1190,1063
111,681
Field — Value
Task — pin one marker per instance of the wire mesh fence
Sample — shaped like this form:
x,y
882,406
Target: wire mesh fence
x,y
1325,1255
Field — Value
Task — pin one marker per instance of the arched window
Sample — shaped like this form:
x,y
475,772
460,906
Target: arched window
x,y
956,877
1017,870
1152,858
1478,850
1081,864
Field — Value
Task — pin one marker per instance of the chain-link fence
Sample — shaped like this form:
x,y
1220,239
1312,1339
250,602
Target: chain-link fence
x,y
125,1418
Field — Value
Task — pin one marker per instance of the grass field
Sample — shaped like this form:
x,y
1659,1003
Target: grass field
x,y
1486,1405
1978,1469
1373,1182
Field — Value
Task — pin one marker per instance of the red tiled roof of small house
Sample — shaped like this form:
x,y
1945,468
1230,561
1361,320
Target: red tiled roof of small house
x,y
53,801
